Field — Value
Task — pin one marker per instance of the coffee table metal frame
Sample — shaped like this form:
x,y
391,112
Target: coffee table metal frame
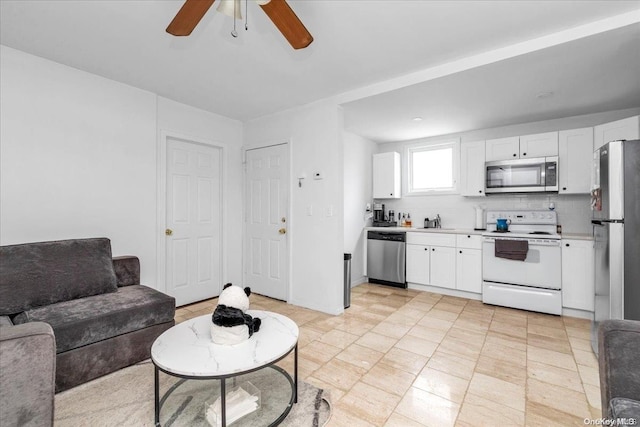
x,y
223,378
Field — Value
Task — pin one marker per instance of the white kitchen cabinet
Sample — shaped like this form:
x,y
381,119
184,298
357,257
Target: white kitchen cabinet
x,y
469,270
418,257
522,147
575,149
443,267
386,175
628,128
502,149
578,283
539,145
472,168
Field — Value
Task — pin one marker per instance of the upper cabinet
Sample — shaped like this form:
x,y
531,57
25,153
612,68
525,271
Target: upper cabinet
x,y
621,129
522,147
386,175
472,168
575,159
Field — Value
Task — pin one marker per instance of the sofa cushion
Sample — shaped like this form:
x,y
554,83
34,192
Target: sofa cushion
x,y
620,408
88,320
39,274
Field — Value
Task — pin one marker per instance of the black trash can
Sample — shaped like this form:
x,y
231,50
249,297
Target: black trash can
x,y
347,280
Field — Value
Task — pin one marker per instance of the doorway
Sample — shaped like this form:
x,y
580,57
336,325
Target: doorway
x,y
193,235
266,244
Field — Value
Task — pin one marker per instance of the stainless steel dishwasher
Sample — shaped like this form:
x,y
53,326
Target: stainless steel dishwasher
x,y
386,258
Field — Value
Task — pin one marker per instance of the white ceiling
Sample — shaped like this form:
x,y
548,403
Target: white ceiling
x,y
357,43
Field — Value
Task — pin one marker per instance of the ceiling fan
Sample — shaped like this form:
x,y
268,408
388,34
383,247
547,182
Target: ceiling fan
x,y
278,11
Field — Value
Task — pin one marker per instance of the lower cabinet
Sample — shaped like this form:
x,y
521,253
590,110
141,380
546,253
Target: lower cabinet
x,y
445,260
578,283
469,270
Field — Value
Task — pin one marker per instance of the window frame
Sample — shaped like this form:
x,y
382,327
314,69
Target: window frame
x,y
422,146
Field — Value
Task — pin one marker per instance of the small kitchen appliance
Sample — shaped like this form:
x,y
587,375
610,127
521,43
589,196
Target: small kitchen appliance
x,y
379,219
521,268
502,224
480,219
522,175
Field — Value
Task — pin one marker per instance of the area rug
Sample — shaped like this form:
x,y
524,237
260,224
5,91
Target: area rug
x,y
125,398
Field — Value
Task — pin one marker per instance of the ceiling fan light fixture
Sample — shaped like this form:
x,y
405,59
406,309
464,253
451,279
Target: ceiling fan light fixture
x,y
262,2
230,8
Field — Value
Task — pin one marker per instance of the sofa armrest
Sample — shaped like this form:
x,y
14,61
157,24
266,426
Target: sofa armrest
x,y
619,361
5,321
27,374
127,270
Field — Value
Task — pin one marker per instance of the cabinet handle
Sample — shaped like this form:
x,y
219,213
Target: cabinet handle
x,y
460,251
515,155
426,249
524,154
566,244
480,191
564,188
468,236
391,194
433,249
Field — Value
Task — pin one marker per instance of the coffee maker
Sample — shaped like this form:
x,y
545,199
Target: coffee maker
x,y
379,219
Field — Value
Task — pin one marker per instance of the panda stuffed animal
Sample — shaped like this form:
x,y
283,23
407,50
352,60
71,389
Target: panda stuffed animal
x,y
231,325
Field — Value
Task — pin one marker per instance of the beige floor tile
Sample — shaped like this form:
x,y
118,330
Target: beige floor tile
x,y
356,326
341,416
547,331
478,411
442,384
580,344
451,364
442,314
390,329
561,345
318,352
550,357
389,379
447,306
435,323
589,375
502,369
586,358
306,367
397,420
419,305
583,333
560,398
575,322
550,321
427,333
593,395
338,339
370,403
340,374
554,375
503,351
360,356
470,337
429,409
517,343
399,319
508,329
450,299
335,394
376,342
539,415
307,334
417,345
460,348
498,391
405,360
409,313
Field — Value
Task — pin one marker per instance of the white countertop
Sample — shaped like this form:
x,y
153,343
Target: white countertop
x,y
427,230
577,236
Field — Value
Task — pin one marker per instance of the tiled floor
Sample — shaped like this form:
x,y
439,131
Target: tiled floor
x,y
406,358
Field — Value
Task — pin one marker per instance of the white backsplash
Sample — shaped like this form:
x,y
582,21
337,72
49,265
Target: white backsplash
x,y
574,213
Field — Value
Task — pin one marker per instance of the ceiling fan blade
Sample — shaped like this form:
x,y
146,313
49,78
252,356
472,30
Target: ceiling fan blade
x,y
188,17
288,23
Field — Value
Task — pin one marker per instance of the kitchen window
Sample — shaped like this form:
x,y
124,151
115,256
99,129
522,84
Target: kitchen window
x,y
432,168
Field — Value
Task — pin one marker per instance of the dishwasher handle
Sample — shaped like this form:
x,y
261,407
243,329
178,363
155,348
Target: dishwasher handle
x,y
387,235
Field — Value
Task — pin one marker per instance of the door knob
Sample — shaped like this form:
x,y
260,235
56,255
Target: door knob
x,y
282,231
168,232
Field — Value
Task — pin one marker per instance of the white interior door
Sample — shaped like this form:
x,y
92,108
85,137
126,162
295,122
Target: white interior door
x,y
193,257
266,241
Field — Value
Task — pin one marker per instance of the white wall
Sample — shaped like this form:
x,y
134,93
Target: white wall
x,y
316,241
574,213
358,186
78,157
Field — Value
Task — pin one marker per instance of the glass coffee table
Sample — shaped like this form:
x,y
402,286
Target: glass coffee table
x,y
202,368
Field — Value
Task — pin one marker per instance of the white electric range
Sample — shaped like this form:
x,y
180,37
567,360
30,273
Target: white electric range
x,y
533,283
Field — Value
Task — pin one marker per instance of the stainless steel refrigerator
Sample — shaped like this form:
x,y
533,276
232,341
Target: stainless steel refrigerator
x,y
615,201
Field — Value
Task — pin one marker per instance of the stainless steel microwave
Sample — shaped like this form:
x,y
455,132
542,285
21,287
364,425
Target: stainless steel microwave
x,y
522,176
